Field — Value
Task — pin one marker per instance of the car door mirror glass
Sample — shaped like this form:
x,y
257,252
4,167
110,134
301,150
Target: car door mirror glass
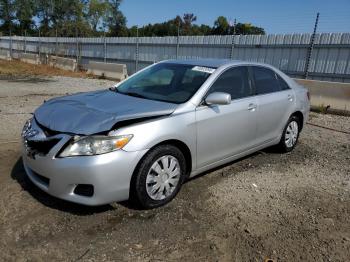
x,y
218,98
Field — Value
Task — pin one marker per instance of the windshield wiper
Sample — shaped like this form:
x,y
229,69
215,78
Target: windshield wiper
x,y
133,94
114,89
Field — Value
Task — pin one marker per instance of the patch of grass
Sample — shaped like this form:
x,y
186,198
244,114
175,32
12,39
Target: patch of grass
x,y
16,68
320,109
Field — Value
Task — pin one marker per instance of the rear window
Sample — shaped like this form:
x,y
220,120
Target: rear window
x,y
265,80
283,84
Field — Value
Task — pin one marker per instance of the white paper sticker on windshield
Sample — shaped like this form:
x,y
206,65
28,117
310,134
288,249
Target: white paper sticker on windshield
x,y
203,69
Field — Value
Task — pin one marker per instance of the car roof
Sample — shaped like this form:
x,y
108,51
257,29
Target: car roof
x,y
214,63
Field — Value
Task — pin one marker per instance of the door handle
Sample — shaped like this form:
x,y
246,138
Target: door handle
x,y
290,98
252,107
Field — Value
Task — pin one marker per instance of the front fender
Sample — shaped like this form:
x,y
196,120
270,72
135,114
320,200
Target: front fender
x,y
146,135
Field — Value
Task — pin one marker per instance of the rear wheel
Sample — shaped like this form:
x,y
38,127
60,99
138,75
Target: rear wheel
x,y
290,135
159,176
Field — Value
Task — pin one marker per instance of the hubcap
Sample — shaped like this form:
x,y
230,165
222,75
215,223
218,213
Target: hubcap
x,y
163,177
291,134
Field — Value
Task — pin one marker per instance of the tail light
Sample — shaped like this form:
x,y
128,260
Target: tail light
x,y
308,95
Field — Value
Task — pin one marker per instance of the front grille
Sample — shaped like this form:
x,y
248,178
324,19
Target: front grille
x,y
42,146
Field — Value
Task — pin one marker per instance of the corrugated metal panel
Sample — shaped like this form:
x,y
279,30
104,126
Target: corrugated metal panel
x,y
329,60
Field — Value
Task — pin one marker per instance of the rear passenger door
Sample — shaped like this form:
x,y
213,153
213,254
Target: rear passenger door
x,y
275,102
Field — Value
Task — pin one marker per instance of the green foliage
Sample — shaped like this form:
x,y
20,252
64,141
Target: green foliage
x,y
7,16
99,17
96,14
25,11
221,26
115,19
248,29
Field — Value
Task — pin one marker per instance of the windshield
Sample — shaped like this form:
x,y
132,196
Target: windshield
x,y
173,83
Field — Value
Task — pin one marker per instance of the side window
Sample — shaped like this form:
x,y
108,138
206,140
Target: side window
x,y
265,80
234,81
283,84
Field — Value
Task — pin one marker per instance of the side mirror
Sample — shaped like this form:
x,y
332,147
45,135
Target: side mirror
x,y
218,98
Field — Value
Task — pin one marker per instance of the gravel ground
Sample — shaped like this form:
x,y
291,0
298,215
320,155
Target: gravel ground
x,y
288,207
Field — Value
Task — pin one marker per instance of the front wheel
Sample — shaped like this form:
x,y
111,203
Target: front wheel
x,y
290,135
159,176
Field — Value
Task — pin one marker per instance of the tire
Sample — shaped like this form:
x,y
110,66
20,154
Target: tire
x,y
290,135
153,185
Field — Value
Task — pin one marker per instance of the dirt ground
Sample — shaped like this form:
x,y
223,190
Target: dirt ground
x,y
287,207
15,68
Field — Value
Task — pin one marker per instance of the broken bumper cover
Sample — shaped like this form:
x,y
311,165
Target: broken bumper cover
x,y
109,175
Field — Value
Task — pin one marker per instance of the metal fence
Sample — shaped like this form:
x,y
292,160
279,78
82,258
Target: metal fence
x,y
326,59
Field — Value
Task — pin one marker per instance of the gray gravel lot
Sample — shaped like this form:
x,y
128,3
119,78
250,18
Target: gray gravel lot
x,y
290,207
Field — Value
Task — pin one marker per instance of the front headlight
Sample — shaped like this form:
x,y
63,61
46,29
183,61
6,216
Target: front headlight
x,y
26,127
95,145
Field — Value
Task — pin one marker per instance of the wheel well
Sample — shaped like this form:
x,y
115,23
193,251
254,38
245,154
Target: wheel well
x,y
184,149
300,116
177,143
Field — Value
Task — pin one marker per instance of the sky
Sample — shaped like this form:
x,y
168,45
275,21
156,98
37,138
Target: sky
x,y
275,16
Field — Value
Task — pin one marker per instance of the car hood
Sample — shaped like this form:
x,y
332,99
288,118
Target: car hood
x,y
96,112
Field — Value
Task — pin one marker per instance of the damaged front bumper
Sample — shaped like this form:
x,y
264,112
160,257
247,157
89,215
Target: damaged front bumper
x,y
87,180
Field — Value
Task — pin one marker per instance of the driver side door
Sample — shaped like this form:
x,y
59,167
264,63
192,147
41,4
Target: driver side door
x,y
227,130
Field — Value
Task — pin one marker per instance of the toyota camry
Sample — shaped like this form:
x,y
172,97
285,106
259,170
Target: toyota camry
x,y
142,138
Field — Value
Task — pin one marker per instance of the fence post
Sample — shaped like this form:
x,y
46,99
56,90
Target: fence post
x,y
104,49
25,42
11,44
178,41
137,51
56,46
77,50
39,45
311,47
233,39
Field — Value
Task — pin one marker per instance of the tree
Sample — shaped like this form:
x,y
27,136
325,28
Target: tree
x,y
93,17
188,19
44,13
200,30
168,28
248,29
7,16
25,12
115,19
221,26
96,13
65,16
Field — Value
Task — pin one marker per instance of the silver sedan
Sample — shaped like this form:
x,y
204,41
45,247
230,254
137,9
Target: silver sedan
x,y
173,120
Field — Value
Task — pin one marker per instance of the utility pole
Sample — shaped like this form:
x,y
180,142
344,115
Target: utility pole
x,y
10,31
25,41
77,45
104,48
137,50
39,46
178,40
233,39
10,43
56,47
311,47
